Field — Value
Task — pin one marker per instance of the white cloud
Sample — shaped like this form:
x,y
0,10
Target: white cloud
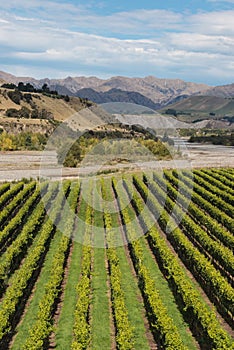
x,y
3,21
168,43
194,42
217,22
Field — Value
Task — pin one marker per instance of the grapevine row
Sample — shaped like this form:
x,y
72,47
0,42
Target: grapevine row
x,y
22,277
8,232
9,211
223,176
41,329
214,179
13,255
11,193
200,265
186,185
19,199
212,198
194,232
5,187
167,332
204,321
124,336
198,215
81,327
212,185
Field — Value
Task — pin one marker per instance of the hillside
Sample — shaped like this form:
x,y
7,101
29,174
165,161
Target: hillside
x,y
201,107
35,112
117,95
221,91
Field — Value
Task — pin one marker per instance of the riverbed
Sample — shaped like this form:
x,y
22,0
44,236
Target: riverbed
x,y
32,164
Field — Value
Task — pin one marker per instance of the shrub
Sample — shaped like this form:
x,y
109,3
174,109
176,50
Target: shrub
x,y
15,96
9,86
27,98
12,113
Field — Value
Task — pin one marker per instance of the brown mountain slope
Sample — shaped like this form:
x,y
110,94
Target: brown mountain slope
x,y
201,107
158,90
203,104
221,91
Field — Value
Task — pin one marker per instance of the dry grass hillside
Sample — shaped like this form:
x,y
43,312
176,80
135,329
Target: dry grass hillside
x,y
37,112
16,126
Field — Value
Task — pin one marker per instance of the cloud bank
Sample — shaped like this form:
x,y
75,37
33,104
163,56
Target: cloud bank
x,y
55,40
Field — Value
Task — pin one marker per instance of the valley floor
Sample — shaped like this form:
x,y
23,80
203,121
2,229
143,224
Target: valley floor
x,y
32,164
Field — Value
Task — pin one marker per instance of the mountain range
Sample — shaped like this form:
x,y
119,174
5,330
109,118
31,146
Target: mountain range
x,y
152,92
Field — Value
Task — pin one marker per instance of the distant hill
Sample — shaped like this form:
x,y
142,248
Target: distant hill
x,y
201,107
160,122
117,95
220,91
205,104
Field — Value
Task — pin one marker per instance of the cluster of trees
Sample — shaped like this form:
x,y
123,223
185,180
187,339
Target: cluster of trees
x,y
22,141
214,136
171,111
110,148
225,140
21,87
25,112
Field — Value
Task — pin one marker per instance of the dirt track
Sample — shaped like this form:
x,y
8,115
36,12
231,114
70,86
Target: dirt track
x,y
16,165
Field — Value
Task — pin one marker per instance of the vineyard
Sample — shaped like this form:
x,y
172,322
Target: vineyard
x,y
135,261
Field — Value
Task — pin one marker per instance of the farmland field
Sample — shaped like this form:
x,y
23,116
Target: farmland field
x,y
134,261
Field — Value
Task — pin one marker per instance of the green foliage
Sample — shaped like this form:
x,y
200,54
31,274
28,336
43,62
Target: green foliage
x,y
128,149
18,248
12,113
26,88
200,242
214,136
199,215
124,336
166,329
42,328
206,319
9,86
23,276
22,141
171,111
186,132
81,328
211,203
226,140
24,112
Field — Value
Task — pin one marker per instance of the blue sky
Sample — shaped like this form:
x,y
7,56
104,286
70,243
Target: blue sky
x,y
191,40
